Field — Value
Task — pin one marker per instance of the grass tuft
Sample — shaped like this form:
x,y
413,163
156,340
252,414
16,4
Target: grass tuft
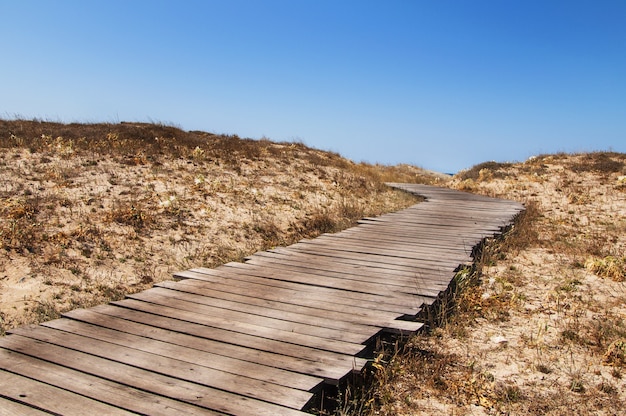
x,y
615,354
610,267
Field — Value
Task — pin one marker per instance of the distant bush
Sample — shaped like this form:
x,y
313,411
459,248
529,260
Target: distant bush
x,y
601,162
494,170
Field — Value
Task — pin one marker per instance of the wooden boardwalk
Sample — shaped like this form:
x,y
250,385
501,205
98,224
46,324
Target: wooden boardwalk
x,y
254,338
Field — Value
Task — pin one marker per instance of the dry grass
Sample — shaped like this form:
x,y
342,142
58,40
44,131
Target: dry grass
x,y
540,328
90,212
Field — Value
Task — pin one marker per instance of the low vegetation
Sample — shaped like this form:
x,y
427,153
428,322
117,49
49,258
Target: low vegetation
x,y
540,327
91,212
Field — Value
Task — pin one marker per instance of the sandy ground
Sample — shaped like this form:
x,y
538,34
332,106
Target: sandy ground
x,y
78,228
545,330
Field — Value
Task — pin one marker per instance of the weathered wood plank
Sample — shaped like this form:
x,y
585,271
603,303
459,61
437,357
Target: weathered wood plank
x,y
200,314
192,355
188,392
282,311
286,308
329,358
99,389
381,288
394,277
376,263
376,301
52,399
11,408
405,242
330,300
389,255
267,334
399,244
448,239
176,368
430,286
307,365
416,242
270,299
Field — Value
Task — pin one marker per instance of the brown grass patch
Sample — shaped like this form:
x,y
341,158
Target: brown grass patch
x,y
534,331
90,212
610,267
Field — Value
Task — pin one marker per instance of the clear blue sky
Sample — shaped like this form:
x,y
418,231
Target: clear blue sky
x,y
442,84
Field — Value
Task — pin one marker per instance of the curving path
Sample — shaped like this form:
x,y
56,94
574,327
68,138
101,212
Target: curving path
x,y
254,338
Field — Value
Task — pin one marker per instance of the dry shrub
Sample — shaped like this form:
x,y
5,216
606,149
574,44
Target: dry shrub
x,y
134,214
139,143
19,229
425,363
524,233
610,267
601,162
485,171
399,173
320,223
44,311
615,354
270,233
17,208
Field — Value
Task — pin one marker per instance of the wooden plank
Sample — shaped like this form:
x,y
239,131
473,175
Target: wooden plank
x,y
371,262
438,212
159,306
339,307
445,225
346,264
11,408
408,228
399,241
430,286
374,300
286,309
414,240
403,263
425,258
295,364
329,300
124,397
332,359
403,327
353,272
409,242
266,334
399,293
365,260
280,303
282,311
489,214
188,392
203,358
179,369
448,239
440,215
52,399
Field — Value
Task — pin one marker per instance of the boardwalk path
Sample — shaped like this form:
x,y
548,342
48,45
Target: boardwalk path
x,y
254,338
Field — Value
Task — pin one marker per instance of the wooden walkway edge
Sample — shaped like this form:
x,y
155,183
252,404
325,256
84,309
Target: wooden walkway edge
x,y
254,338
